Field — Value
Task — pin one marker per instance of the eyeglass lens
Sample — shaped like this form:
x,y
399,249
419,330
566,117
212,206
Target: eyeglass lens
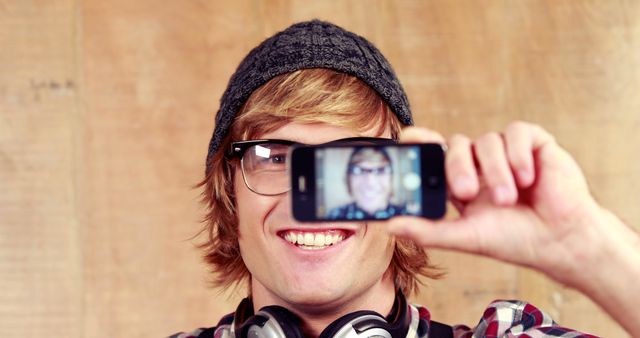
x,y
264,167
361,171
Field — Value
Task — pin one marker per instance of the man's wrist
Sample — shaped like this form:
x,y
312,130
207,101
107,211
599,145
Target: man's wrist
x,y
611,268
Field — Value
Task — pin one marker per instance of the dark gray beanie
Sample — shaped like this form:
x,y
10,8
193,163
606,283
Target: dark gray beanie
x,y
311,44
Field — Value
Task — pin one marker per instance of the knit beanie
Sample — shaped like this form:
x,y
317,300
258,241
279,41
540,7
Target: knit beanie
x,y
310,44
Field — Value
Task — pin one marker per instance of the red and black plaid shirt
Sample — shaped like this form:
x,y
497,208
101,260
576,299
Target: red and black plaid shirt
x,y
502,318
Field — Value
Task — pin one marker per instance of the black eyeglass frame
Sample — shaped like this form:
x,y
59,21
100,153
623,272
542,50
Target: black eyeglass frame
x,y
238,149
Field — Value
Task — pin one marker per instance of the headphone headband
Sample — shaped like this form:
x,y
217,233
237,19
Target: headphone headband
x,y
277,322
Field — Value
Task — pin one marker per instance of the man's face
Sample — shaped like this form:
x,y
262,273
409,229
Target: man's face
x,y
316,276
370,183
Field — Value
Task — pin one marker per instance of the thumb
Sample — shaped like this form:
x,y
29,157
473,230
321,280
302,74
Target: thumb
x,y
441,234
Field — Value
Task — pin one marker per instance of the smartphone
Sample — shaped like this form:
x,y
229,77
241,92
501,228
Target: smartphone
x,y
367,182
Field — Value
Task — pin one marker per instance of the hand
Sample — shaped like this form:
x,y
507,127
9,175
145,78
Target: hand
x,y
521,198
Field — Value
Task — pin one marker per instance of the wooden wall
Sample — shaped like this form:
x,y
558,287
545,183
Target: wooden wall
x,y
106,108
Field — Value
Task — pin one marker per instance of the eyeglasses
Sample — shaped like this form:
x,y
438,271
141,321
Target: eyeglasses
x,y
360,171
264,162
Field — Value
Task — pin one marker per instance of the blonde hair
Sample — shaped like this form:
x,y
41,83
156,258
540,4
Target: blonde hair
x,y
305,96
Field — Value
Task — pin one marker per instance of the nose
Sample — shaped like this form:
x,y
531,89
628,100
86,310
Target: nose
x,y
372,178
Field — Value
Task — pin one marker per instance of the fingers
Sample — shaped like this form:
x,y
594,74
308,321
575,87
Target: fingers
x,y
503,162
521,140
462,176
496,172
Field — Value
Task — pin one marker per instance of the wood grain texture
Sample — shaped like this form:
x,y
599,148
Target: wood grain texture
x,y
106,109
40,260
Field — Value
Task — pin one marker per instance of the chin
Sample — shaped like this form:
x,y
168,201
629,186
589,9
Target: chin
x,y
314,293
315,298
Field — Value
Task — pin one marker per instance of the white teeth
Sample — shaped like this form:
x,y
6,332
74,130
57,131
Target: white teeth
x,y
308,239
319,240
313,240
290,237
328,239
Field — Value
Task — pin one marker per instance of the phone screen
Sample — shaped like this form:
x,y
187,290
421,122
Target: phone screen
x,y
372,182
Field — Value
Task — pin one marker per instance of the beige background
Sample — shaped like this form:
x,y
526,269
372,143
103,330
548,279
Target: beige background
x,y
106,109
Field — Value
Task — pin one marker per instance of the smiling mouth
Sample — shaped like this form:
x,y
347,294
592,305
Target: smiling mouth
x,y
315,240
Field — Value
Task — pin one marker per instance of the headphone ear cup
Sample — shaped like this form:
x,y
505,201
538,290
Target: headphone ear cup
x,y
288,322
360,323
271,322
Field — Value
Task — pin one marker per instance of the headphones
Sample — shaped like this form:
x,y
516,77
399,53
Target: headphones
x,y
277,322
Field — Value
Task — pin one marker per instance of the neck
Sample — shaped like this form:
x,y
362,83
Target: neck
x,y
317,314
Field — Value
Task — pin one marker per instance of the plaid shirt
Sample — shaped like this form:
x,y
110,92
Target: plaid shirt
x,y
502,318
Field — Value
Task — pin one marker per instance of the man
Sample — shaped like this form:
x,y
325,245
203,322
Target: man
x,y
369,182
522,199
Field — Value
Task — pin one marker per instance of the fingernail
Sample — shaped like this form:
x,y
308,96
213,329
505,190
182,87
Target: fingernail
x,y
525,176
463,184
502,195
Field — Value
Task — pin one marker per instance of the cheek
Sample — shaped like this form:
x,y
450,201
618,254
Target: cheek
x,y
382,247
250,214
355,186
252,209
388,183
247,207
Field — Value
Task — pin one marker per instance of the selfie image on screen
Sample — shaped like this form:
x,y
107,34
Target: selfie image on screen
x,y
370,182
